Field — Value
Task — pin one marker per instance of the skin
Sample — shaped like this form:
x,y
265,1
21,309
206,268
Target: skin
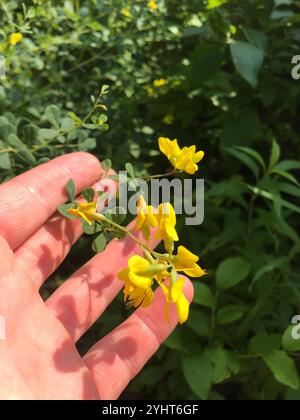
x,y
38,356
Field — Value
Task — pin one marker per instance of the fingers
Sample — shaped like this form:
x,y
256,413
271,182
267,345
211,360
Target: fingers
x,y
28,200
6,260
119,356
80,300
44,251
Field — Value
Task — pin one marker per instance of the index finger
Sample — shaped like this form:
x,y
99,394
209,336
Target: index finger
x,y
28,200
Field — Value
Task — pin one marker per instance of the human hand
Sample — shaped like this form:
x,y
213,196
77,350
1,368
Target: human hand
x,y
38,356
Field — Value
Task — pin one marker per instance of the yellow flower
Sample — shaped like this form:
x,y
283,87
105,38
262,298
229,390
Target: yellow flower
x,y
174,294
135,296
86,211
168,119
145,218
157,83
186,261
140,272
164,274
138,279
152,4
125,11
15,38
166,218
150,90
185,159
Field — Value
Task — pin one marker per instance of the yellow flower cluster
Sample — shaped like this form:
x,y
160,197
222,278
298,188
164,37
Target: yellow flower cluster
x,y
152,5
142,273
168,119
157,83
184,159
86,211
125,11
15,38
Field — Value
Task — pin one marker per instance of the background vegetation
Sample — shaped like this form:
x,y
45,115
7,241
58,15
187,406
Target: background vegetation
x,y
228,88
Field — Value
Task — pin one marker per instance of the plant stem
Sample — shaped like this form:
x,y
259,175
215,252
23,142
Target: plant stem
x,y
213,317
8,150
149,177
102,218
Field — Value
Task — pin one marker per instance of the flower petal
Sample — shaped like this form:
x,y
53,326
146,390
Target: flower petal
x,y
182,306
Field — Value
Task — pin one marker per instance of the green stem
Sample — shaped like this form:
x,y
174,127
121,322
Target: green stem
x,y
149,177
102,218
213,317
8,150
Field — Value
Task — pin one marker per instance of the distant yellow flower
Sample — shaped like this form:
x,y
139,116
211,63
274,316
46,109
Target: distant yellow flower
x,y
166,218
152,4
168,119
145,218
150,90
15,38
125,11
174,294
185,159
157,83
186,261
86,211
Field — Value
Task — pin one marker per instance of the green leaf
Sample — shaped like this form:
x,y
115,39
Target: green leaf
x,y
289,343
53,114
283,368
198,373
275,154
104,90
225,364
199,322
212,4
231,272
287,165
87,144
229,314
267,268
178,340
285,175
67,124
150,375
91,229
74,117
48,133
117,214
88,194
276,199
23,152
106,164
5,161
247,160
248,60
252,153
130,170
203,295
257,38
99,243
5,130
71,188
63,209
263,343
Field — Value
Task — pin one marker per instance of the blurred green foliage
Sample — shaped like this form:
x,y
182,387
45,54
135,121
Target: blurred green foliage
x,y
228,88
